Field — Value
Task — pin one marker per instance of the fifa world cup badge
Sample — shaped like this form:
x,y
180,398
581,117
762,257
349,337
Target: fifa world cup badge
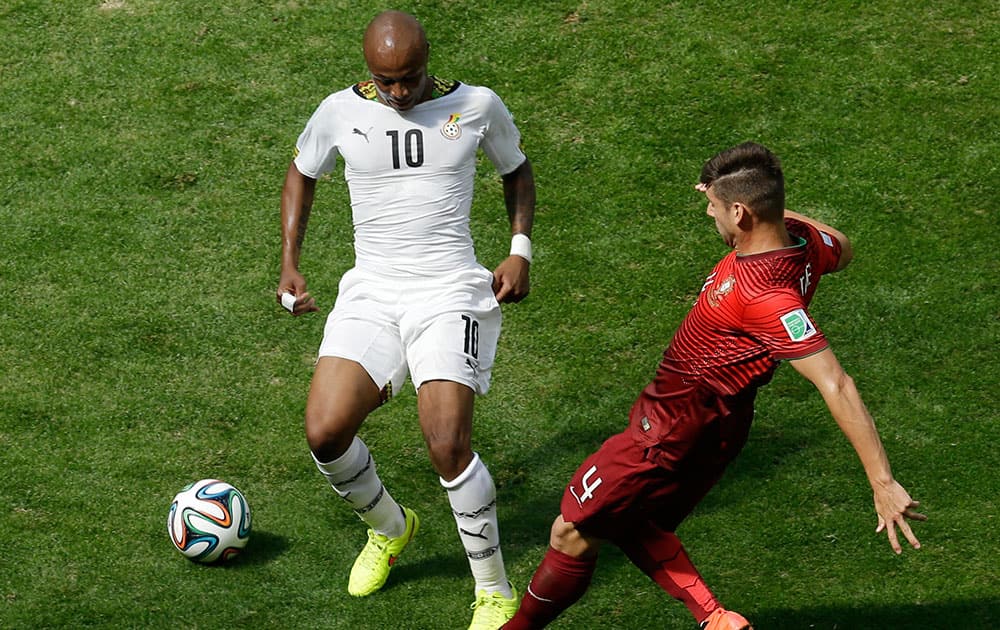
x,y
450,129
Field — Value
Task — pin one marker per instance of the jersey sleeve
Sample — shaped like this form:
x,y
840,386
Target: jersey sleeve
x,y
501,139
316,149
781,322
828,248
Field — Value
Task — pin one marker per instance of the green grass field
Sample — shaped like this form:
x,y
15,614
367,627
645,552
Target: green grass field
x,y
144,147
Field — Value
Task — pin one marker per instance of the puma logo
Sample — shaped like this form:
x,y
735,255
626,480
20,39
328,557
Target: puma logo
x,y
363,134
481,534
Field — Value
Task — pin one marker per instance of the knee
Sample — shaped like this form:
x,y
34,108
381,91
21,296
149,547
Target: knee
x,y
445,410
566,538
449,446
450,457
328,437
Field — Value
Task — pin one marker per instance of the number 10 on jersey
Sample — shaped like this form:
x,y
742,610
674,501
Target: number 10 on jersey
x,y
413,147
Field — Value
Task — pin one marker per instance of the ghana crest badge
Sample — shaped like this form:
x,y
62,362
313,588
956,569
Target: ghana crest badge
x,y
451,129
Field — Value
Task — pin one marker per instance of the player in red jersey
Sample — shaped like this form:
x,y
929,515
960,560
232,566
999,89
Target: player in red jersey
x,y
694,418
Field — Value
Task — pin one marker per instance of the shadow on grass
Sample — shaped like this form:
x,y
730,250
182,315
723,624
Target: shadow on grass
x,y
263,547
963,614
422,566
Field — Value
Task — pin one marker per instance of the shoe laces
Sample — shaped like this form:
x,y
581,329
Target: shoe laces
x,y
375,549
492,602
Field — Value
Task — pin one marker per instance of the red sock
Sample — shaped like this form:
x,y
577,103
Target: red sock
x,y
558,583
661,556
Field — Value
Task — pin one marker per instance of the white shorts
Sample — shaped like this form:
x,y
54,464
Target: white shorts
x,y
441,329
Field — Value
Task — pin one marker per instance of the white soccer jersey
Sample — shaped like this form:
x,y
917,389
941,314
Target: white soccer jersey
x,y
410,174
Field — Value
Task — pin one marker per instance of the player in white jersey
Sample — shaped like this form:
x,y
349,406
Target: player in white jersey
x,y
417,301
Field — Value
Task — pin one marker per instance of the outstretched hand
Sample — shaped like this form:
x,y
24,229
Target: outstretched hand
x,y
894,506
510,279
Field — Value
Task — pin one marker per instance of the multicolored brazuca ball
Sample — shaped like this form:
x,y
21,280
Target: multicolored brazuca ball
x,y
209,521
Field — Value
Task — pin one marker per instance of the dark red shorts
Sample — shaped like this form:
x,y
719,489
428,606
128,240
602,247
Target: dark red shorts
x,y
626,485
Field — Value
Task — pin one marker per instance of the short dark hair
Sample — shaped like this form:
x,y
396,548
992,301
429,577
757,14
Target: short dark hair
x,y
750,174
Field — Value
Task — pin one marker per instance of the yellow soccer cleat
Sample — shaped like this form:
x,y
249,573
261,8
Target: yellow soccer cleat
x,y
491,611
371,569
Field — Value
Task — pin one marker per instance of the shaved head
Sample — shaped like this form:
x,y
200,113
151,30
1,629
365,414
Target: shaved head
x,y
396,51
394,34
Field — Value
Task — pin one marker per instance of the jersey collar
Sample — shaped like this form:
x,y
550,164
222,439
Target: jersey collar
x,y
440,87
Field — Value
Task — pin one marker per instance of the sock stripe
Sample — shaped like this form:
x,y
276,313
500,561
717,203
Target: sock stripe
x,y
477,513
537,596
367,508
484,554
363,470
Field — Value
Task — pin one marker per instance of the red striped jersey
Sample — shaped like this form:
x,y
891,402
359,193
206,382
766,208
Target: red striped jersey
x,y
751,314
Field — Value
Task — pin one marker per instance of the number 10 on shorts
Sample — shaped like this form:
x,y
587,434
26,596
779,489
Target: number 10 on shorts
x,y
471,346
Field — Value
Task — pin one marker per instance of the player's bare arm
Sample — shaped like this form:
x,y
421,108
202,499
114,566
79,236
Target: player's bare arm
x,y
296,204
893,504
511,281
846,251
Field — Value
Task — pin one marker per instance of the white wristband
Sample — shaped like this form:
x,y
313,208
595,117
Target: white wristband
x,y
520,245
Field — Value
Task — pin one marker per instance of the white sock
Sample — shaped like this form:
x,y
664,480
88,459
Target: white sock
x,y
473,499
353,477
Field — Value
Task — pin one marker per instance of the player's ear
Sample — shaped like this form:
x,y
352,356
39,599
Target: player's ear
x,y
740,212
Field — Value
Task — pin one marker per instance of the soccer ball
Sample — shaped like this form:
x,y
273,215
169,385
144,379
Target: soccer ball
x,y
209,520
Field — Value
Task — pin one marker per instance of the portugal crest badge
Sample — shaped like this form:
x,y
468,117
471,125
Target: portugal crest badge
x,y
719,291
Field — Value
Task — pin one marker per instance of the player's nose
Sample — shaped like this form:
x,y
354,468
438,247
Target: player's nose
x,y
399,92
